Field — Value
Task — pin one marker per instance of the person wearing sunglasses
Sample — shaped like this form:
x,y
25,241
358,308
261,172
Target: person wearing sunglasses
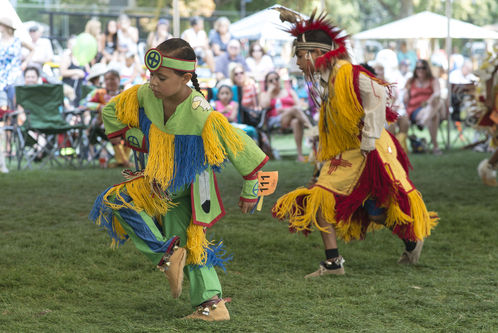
x,y
423,102
284,110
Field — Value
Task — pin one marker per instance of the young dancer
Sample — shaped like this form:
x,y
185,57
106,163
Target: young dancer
x,y
363,183
166,207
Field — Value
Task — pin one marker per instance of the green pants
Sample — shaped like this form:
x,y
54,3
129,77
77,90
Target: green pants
x,y
204,282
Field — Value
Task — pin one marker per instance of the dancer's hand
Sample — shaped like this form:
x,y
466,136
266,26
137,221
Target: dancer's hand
x,y
246,207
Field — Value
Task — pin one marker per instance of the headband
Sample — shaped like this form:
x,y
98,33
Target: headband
x,y
154,59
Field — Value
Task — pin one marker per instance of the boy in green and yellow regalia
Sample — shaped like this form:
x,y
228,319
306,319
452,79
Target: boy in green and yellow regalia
x,y
166,207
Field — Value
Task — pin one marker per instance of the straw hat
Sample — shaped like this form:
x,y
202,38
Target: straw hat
x,y
97,70
5,21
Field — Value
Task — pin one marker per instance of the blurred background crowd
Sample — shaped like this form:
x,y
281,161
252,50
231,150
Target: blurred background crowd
x,y
253,81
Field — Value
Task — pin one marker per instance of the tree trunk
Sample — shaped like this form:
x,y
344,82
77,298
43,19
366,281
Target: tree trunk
x,y
406,8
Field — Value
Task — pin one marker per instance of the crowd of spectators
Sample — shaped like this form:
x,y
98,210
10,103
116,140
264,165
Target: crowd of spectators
x,y
246,79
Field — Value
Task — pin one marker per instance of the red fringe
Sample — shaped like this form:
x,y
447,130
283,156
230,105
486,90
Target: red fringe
x,y
402,156
356,81
391,115
324,60
319,22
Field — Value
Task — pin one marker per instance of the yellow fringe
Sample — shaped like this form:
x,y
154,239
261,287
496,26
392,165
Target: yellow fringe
x,y
161,161
145,199
196,245
120,232
140,191
127,106
423,221
340,115
217,125
315,200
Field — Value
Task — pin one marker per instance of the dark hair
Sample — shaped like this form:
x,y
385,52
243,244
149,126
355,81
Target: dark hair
x,y
253,45
221,87
114,35
113,72
266,78
180,49
194,20
32,68
320,36
368,68
424,63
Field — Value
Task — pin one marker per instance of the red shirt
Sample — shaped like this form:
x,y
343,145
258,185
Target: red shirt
x,y
286,102
418,95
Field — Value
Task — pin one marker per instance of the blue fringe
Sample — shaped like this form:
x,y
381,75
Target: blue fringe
x,y
144,123
216,256
102,211
190,160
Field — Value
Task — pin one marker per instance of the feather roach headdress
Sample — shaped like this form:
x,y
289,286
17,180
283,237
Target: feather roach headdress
x,y
316,22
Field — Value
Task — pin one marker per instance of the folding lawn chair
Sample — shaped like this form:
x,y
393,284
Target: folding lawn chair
x,y
50,132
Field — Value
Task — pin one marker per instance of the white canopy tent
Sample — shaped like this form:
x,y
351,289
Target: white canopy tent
x,y
264,24
426,25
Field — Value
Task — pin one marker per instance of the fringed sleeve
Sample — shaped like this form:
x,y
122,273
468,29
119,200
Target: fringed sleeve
x,y
121,112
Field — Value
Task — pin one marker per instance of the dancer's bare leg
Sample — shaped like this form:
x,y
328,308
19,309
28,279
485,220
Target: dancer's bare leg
x,y
297,129
329,238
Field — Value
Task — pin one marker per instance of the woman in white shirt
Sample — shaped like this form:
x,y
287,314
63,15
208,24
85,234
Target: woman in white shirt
x,y
258,62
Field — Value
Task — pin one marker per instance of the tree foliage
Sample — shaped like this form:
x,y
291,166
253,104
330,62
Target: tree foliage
x,y
358,15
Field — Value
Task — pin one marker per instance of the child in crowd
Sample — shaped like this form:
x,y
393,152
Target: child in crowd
x,y
166,207
230,109
225,103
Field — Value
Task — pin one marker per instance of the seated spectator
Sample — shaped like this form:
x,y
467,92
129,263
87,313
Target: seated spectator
x,y
406,55
258,62
108,41
93,27
247,96
43,51
197,38
159,34
127,35
220,36
400,127
424,105
72,73
131,71
225,104
283,110
96,102
462,82
32,75
224,61
94,78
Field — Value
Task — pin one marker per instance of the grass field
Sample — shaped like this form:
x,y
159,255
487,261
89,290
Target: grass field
x,y
58,274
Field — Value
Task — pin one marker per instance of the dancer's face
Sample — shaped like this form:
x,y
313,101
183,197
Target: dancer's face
x,y
306,59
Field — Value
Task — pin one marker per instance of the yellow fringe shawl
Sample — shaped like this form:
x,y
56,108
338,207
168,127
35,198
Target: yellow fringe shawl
x,y
340,114
318,200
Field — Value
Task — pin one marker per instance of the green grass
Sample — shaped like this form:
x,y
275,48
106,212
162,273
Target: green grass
x,y
58,274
